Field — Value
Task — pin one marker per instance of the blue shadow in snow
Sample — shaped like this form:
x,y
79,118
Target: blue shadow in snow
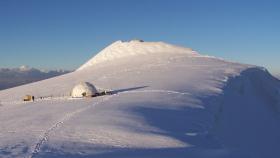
x,y
127,89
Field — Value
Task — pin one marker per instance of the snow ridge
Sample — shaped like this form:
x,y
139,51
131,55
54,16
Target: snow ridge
x,y
120,49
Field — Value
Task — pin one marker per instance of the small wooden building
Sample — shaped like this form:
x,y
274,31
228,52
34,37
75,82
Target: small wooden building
x,y
28,98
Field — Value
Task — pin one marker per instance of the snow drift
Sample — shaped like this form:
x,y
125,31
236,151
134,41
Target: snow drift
x,y
167,101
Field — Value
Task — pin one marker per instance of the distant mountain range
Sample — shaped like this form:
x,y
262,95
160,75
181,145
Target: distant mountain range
x,y
12,77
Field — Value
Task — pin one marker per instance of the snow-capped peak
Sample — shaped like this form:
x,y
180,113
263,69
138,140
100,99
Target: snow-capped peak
x,y
24,68
120,49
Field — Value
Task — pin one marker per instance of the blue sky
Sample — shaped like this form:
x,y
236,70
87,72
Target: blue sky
x,y
66,33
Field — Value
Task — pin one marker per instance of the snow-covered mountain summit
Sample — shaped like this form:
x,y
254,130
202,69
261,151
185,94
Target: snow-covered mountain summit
x,y
121,49
166,101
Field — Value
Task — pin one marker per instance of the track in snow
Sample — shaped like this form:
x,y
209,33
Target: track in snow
x,y
68,116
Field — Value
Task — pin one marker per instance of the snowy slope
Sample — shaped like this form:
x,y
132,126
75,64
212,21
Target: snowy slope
x,y
167,101
121,49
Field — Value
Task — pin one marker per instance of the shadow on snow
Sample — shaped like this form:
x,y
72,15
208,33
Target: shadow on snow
x,y
233,115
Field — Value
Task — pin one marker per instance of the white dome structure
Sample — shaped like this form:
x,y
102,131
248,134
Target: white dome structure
x,y
83,89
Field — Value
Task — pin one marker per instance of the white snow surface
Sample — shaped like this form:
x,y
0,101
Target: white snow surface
x,y
167,101
120,49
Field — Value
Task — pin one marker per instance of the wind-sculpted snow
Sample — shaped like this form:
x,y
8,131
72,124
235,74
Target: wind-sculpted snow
x,y
120,49
162,105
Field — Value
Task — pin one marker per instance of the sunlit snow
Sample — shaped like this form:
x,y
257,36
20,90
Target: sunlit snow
x,y
166,101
